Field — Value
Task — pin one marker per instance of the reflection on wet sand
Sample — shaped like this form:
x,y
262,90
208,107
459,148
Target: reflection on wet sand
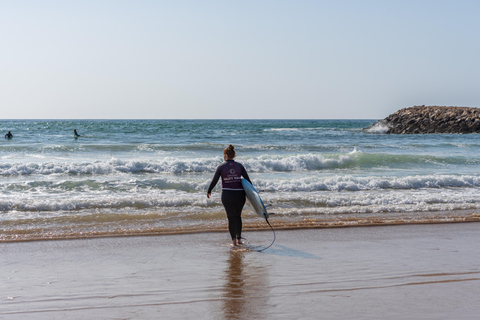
x,y
246,287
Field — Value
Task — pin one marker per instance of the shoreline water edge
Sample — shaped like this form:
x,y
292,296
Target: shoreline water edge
x,y
145,177
249,227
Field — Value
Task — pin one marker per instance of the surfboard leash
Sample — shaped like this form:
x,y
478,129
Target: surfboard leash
x,y
274,236
271,244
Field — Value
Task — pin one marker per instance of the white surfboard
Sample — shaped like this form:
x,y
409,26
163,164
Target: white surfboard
x,y
254,198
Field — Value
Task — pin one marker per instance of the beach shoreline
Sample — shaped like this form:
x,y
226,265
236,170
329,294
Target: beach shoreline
x,y
249,224
428,271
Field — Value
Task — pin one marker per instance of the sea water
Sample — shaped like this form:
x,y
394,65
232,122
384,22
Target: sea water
x,y
129,177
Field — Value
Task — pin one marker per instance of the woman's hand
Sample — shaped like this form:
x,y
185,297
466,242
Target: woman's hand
x,y
208,195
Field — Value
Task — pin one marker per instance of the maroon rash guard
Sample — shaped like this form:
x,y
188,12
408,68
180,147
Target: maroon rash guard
x,y
233,195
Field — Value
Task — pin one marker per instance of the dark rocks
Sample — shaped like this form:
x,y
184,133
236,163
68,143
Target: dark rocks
x,y
432,119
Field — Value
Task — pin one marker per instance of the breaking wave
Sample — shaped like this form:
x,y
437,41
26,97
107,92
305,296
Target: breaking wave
x,y
299,162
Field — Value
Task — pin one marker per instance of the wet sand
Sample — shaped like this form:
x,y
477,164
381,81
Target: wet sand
x,y
388,272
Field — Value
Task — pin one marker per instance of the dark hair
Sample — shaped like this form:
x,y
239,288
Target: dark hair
x,y
229,151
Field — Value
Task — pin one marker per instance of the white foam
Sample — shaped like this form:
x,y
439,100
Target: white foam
x,y
177,165
282,129
378,202
165,165
300,162
378,127
70,205
353,183
100,201
265,163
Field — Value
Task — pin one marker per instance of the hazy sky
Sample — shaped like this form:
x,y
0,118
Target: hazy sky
x,y
230,59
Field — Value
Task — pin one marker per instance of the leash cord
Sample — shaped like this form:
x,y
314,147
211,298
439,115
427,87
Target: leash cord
x,y
274,236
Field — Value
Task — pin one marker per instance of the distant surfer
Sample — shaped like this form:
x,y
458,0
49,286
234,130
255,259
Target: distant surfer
x,y
9,135
75,134
233,195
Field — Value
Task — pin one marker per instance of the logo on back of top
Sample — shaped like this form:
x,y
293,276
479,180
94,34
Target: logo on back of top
x,y
232,171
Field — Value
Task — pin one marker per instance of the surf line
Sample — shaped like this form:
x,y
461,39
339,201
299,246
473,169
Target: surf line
x,y
274,236
258,206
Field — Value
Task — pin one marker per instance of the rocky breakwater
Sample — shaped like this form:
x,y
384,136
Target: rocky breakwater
x,y
431,119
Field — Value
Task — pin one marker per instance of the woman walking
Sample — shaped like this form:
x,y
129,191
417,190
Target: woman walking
x,y
233,195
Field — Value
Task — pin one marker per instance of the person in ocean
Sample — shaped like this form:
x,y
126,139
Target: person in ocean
x,y
9,135
75,134
233,195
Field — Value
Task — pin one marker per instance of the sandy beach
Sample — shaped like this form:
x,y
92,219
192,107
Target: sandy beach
x,y
395,272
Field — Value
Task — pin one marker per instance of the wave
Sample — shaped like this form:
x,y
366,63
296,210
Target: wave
x,y
295,130
144,146
264,163
378,127
353,183
102,201
174,218
187,184
327,194
166,165
92,186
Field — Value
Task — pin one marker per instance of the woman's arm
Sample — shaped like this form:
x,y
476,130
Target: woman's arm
x,y
245,174
214,181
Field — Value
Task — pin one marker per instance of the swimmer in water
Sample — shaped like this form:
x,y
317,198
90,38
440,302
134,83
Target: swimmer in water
x,y
75,134
9,135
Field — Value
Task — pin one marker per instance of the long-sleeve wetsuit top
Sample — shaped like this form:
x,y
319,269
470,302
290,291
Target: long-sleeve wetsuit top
x,y
231,173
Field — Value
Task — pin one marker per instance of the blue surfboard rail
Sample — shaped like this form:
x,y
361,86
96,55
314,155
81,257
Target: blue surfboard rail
x,y
255,200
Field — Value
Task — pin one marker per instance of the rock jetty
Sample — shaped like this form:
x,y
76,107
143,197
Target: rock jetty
x,y
431,119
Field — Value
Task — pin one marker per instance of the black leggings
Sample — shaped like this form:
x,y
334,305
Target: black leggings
x,y
233,201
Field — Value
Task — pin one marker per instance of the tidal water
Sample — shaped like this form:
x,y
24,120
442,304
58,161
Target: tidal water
x,y
124,177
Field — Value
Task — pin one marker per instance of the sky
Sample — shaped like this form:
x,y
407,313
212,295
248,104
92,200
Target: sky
x,y
225,59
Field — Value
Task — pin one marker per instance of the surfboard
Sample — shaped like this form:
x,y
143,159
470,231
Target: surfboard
x,y
254,198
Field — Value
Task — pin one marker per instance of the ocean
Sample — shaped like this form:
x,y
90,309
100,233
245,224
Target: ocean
x,y
135,177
